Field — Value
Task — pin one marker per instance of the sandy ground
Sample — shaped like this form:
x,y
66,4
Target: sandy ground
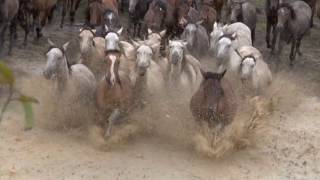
x,y
287,148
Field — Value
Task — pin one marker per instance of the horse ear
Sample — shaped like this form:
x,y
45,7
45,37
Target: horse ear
x,y
50,42
149,31
135,44
215,25
220,76
203,72
65,46
94,30
120,30
234,36
185,43
106,28
162,33
199,22
81,29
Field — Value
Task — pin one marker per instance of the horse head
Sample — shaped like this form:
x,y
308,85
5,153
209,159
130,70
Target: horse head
x,y
57,63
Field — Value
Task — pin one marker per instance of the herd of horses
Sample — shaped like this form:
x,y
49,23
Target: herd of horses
x,y
161,50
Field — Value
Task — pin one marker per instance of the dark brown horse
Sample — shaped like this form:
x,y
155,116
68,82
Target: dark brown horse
x,y
70,6
25,17
96,11
8,17
271,8
214,102
42,10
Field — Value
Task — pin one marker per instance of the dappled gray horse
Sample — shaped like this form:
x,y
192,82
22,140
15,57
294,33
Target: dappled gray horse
x,y
293,24
197,38
244,11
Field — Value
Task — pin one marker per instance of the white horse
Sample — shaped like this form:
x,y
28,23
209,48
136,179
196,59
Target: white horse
x,y
184,70
76,77
148,74
243,34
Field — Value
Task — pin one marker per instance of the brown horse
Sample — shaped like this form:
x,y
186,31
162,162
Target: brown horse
x,y
71,6
42,10
8,16
214,102
96,10
217,4
114,92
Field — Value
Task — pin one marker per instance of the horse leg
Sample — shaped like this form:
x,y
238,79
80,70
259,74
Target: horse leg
x,y
51,13
293,51
13,31
253,35
115,115
298,46
63,14
3,28
268,33
312,14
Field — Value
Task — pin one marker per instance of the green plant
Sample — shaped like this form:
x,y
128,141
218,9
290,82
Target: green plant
x,y
7,79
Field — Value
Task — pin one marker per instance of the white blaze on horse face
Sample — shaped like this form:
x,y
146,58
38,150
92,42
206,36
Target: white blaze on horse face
x,y
247,67
113,59
112,41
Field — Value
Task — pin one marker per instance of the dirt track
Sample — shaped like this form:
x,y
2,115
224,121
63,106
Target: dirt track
x,y
288,148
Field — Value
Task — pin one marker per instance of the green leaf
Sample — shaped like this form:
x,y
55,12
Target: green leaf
x,y
6,75
24,98
29,116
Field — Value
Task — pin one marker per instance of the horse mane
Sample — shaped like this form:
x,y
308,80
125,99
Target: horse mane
x,y
229,36
87,28
64,53
212,75
288,6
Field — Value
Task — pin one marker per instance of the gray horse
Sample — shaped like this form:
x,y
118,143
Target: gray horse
x,y
197,38
293,23
246,12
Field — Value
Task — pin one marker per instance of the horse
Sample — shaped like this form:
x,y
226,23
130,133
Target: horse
x,y
271,8
241,31
197,38
206,14
318,9
115,90
68,76
8,17
148,77
97,9
41,10
137,11
213,103
92,51
312,4
163,14
293,23
184,74
244,11
71,6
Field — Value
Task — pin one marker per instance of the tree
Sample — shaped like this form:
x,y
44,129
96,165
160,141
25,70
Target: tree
x,y
7,80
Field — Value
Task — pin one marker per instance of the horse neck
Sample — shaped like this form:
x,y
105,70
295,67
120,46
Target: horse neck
x,y
63,74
